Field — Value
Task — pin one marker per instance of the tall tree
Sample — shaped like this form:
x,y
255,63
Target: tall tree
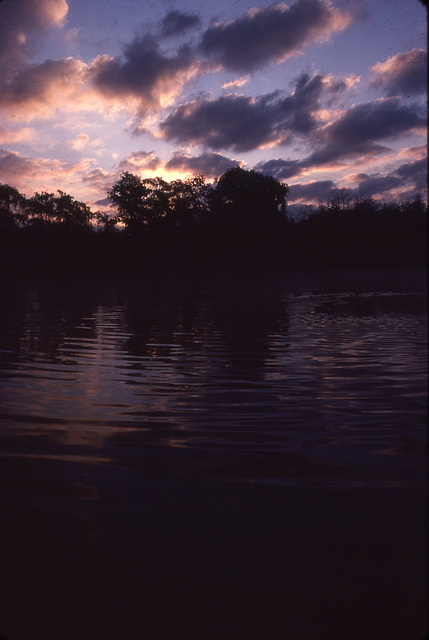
x,y
128,196
250,193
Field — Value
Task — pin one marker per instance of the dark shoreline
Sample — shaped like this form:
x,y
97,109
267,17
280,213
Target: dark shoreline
x,y
412,279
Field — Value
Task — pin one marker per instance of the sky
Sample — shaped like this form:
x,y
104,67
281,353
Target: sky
x,y
315,93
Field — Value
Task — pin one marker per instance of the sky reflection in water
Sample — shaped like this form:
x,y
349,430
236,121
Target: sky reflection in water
x,y
259,380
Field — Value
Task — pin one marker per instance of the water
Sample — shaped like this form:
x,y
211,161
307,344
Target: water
x,y
236,457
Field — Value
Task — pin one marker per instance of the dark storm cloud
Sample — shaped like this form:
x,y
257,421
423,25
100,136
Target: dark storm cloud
x,y
358,131
405,73
177,22
211,165
243,123
144,73
317,191
270,34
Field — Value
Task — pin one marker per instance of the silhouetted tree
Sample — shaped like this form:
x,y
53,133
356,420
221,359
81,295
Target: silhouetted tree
x,y
249,221
12,208
157,199
139,202
340,199
191,226
128,196
60,209
239,191
105,222
189,200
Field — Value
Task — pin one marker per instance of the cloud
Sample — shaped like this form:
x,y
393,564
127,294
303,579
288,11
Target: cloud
x,y
416,169
358,130
417,152
26,173
144,74
13,167
377,120
370,185
416,172
357,133
140,160
303,103
409,175
80,142
405,73
23,135
176,22
271,34
316,191
40,174
20,20
238,122
211,165
243,123
239,82
38,89
280,169
98,181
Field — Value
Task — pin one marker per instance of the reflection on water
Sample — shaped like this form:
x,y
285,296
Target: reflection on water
x,y
168,400
308,384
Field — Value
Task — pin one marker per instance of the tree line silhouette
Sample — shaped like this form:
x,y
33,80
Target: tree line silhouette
x,y
238,223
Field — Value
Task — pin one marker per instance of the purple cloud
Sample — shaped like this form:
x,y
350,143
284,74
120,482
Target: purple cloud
x,y
271,34
144,73
243,123
359,129
280,169
177,22
140,160
369,186
211,165
20,19
316,191
403,74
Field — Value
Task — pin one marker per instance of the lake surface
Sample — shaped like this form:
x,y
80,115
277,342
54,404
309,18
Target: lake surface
x,y
226,457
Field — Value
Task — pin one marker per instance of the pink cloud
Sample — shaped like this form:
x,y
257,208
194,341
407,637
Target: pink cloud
x,y
140,160
143,75
83,179
405,73
80,142
38,89
11,135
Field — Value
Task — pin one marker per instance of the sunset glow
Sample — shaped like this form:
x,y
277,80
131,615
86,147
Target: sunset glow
x,y
318,94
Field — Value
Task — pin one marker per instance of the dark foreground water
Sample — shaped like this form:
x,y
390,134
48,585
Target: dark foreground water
x,y
227,458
